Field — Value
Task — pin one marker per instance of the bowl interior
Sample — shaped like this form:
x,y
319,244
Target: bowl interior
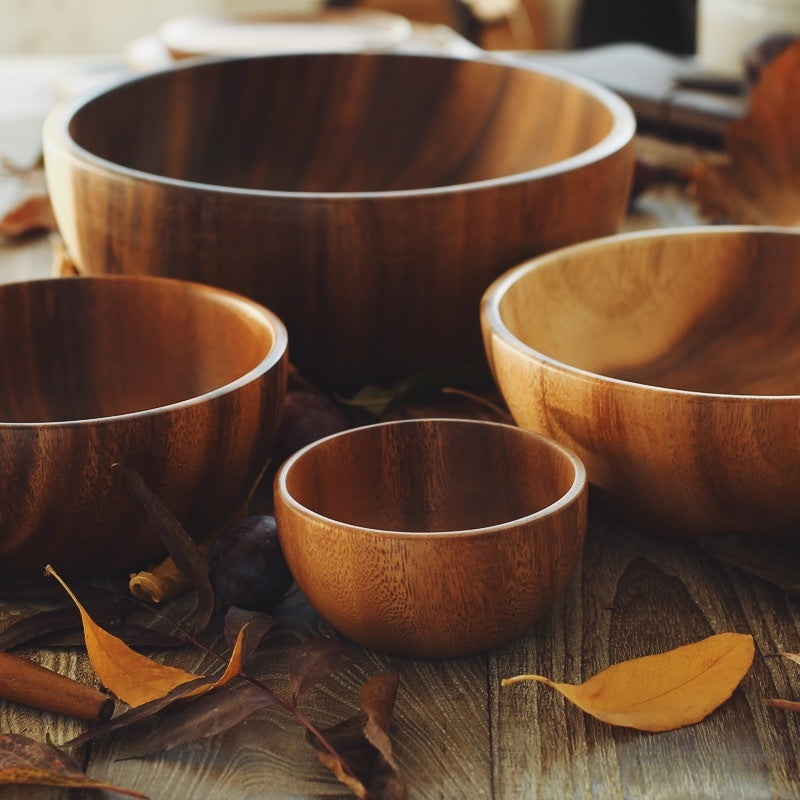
x,y
341,122
706,310
430,475
94,347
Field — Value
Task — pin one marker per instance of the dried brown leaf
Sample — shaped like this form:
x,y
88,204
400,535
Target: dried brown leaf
x,y
664,691
213,714
25,761
773,560
134,716
256,626
363,758
758,179
313,660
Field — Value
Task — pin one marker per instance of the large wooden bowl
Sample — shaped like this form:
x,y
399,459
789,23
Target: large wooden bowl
x,y
368,199
670,362
432,538
180,381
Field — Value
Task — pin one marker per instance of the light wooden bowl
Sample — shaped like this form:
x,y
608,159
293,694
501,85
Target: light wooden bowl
x,y
432,538
670,362
180,381
368,199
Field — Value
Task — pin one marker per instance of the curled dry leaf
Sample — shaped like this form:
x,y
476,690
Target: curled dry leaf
x,y
24,761
664,691
131,676
363,759
163,581
757,180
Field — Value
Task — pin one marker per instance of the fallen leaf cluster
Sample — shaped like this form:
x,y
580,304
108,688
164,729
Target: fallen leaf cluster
x,y
757,179
168,707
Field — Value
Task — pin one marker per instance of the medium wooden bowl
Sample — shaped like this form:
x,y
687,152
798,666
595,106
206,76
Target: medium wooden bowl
x,y
670,362
180,381
432,538
368,199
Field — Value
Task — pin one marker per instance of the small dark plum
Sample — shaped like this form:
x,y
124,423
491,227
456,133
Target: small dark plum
x,y
306,416
246,566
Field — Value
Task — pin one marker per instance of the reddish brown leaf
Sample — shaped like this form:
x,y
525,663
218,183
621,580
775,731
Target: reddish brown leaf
x,y
773,560
25,761
33,214
757,181
212,714
255,624
363,758
138,714
313,660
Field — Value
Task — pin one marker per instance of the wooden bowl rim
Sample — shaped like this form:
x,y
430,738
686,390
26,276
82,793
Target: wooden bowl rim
x,y
252,309
493,296
558,506
56,130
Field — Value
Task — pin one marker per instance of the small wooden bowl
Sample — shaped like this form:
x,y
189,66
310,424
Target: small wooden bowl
x,y
432,538
183,382
317,184
670,362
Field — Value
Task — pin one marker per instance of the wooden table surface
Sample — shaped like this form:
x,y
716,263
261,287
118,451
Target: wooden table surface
x,y
455,731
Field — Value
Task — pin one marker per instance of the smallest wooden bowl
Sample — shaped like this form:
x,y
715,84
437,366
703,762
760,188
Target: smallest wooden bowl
x,y
432,538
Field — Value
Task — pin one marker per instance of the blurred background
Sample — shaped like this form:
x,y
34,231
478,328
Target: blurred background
x,y
100,26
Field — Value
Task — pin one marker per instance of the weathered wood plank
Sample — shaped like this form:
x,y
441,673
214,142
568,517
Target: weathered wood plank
x,y
456,733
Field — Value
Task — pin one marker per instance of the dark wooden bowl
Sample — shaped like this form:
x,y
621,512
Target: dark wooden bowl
x,y
670,362
368,199
180,381
432,538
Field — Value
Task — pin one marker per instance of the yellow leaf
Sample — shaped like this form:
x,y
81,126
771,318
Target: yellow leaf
x,y
132,677
664,691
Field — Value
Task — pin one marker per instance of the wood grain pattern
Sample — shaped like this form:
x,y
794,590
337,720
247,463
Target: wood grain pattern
x,y
669,362
457,733
431,538
399,186
180,381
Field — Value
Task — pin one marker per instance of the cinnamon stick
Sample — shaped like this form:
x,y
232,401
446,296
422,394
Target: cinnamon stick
x,y
24,682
